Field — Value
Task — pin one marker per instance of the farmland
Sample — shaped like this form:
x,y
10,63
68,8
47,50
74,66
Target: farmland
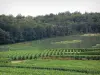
x,y
18,71
40,67
72,55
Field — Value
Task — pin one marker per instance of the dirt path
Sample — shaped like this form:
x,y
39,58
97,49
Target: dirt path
x,y
17,61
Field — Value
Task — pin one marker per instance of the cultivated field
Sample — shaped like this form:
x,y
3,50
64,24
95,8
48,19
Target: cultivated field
x,y
68,55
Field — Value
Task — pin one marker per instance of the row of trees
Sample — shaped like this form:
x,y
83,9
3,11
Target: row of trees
x,y
21,28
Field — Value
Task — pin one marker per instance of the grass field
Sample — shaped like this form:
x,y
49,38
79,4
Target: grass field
x,y
47,67
21,71
72,41
91,64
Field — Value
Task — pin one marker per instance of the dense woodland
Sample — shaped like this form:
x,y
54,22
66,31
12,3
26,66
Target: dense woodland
x,y
21,28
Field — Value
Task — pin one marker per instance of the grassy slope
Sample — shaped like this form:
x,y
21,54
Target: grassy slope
x,y
73,41
17,71
82,64
39,45
90,66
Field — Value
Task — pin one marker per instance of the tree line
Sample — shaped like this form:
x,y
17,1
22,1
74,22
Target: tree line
x,y
21,28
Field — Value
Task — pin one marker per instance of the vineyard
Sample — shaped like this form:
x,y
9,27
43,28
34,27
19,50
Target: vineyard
x,y
21,71
72,55
47,67
85,54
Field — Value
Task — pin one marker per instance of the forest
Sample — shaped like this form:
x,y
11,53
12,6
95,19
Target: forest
x,y
21,28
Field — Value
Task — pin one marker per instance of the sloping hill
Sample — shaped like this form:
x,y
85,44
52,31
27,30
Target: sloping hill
x,y
74,46
73,41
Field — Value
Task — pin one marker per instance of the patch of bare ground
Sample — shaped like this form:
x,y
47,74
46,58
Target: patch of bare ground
x,y
17,61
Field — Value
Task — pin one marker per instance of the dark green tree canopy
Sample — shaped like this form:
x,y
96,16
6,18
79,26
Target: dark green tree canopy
x,y
21,28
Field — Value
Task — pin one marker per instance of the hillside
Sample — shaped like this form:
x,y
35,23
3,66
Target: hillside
x,y
73,45
21,28
74,54
72,41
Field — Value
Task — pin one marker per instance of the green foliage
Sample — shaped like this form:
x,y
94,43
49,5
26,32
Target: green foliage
x,y
5,60
72,41
52,67
25,71
80,54
4,56
21,28
45,49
